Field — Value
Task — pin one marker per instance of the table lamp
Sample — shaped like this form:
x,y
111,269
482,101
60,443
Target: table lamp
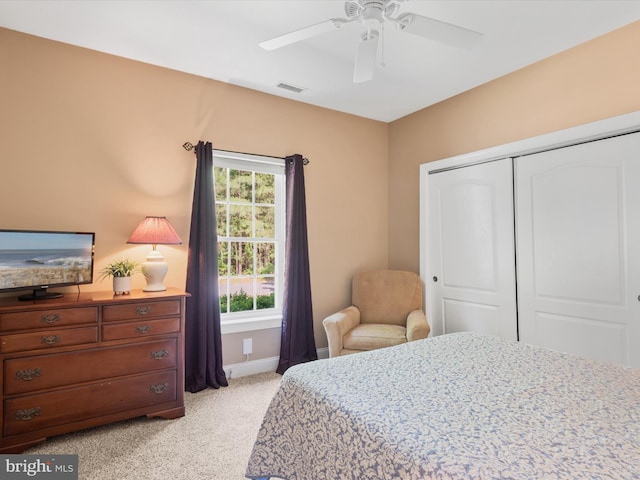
x,y
155,231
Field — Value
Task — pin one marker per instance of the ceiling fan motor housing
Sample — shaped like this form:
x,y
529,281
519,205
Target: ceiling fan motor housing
x,y
371,13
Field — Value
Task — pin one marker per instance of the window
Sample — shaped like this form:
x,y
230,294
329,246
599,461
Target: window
x,y
249,196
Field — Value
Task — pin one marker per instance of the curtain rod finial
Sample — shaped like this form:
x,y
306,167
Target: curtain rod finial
x,y
188,146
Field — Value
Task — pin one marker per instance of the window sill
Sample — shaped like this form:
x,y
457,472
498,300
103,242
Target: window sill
x,y
238,325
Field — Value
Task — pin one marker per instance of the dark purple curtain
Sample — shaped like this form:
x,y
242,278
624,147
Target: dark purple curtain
x,y
298,344
203,341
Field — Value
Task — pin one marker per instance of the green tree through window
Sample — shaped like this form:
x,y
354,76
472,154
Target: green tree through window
x,y
249,238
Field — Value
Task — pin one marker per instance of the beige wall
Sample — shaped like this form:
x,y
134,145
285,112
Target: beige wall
x,y
596,80
94,142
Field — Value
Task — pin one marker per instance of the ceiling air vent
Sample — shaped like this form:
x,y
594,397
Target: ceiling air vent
x,y
291,88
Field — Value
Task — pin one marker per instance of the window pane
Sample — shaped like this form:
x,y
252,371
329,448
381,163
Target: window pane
x,y
241,258
239,186
240,221
265,222
221,219
223,283
223,256
265,258
241,295
266,295
220,177
247,234
265,188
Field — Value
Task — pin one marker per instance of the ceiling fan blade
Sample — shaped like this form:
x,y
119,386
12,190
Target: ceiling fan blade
x,y
366,57
438,31
298,35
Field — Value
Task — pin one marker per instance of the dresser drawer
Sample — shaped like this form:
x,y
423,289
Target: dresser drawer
x,y
132,311
47,318
55,370
118,331
48,339
45,410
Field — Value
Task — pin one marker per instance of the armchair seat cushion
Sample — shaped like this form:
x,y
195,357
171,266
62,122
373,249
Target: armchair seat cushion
x,y
369,336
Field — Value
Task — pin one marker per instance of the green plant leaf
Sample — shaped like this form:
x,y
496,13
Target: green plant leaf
x,y
119,268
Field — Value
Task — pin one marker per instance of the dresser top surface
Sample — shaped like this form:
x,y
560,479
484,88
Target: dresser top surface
x,y
89,298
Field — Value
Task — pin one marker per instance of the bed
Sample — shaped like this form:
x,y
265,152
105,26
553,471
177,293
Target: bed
x,y
458,406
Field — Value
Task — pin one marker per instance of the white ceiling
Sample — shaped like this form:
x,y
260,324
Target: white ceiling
x,y
219,39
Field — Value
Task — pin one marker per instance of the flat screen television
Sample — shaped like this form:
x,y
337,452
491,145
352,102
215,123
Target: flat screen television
x,y
39,260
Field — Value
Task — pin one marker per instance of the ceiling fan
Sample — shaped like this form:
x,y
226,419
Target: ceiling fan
x,y
373,14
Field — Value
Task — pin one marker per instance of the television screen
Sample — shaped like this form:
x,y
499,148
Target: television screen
x,y
39,260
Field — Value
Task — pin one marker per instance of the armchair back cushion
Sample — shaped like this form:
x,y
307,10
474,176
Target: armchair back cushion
x,y
386,296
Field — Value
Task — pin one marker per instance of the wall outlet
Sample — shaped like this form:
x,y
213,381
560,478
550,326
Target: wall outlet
x,y
247,346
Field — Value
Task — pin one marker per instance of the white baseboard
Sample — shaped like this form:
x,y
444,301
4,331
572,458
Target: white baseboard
x,y
252,367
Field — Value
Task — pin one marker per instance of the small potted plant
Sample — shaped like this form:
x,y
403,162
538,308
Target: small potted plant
x,y
121,271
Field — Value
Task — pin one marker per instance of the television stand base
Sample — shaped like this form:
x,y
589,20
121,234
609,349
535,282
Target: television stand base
x,y
40,295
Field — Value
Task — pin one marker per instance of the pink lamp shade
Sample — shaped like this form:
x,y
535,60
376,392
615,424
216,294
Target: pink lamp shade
x,y
155,231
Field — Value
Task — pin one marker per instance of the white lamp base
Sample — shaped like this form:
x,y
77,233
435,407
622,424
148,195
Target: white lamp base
x,y
154,270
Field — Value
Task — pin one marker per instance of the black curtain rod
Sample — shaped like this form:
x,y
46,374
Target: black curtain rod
x,y
190,146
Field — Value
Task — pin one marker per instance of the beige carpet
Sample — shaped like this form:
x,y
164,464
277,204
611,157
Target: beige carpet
x,y
212,441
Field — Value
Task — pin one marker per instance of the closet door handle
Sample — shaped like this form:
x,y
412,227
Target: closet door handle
x,y
435,279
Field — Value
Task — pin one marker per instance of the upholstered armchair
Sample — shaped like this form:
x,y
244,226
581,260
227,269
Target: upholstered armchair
x,y
386,310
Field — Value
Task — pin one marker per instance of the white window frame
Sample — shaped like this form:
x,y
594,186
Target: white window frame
x,y
259,319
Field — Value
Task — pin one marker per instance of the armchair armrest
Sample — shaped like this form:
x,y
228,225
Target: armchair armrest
x,y
337,325
417,326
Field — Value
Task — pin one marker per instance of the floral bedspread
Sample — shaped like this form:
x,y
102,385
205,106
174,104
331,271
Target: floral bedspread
x,y
459,406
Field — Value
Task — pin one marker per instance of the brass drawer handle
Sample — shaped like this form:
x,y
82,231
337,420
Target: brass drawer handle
x,y
28,414
28,375
159,354
50,318
50,339
159,388
143,329
143,310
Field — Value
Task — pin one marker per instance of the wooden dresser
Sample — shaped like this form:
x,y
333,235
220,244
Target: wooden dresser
x,y
89,359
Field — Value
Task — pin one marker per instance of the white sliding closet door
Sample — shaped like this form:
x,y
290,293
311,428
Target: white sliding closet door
x,y
470,244
578,249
